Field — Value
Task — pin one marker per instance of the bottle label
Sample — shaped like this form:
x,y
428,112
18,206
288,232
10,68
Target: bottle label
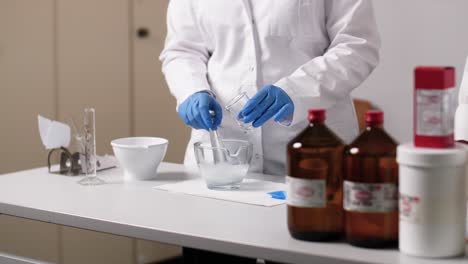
x,y
410,209
435,208
306,192
435,111
370,197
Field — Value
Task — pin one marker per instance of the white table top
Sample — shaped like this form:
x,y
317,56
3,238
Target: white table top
x,y
137,210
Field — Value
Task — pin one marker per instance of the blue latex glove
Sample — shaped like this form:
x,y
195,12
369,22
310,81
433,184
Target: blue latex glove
x,y
194,111
269,102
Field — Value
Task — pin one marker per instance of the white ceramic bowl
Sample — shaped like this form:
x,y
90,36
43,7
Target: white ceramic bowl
x,y
139,156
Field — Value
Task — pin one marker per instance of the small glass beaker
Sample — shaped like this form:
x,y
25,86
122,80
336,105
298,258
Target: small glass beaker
x,y
228,174
235,106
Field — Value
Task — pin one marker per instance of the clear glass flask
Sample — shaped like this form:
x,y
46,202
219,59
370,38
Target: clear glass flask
x,y
235,106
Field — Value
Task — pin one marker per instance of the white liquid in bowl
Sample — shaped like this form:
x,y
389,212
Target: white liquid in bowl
x,y
223,174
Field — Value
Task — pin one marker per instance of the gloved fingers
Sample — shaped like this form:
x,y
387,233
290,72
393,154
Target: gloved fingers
x,y
218,114
206,119
259,109
193,117
285,111
185,112
202,123
252,103
199,114
183,116
182,111
269,113
240,116
207,103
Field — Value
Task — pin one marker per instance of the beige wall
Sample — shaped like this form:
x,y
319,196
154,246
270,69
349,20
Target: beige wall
x,y
58,57
27,79
93,65
154,107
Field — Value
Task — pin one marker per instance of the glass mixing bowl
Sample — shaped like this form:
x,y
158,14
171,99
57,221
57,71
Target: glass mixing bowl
x,y
226,172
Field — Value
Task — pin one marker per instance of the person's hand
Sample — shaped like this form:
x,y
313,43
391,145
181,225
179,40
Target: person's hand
x,y
269,102
195,111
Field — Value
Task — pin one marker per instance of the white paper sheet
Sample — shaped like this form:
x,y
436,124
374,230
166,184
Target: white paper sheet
x,y
53,134
253,192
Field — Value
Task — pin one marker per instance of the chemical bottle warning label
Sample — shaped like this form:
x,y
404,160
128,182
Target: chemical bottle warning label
x,y
306,192
370,197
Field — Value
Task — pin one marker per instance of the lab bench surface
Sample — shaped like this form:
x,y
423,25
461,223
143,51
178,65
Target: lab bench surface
x,y
137,210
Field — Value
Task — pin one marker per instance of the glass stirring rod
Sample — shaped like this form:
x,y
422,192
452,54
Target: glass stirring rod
x,y
219,150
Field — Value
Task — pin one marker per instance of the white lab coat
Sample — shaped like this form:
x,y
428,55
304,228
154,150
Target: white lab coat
x,y
318,51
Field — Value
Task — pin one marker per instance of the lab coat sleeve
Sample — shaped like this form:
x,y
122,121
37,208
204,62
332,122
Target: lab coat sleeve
x,y
185,56
350,58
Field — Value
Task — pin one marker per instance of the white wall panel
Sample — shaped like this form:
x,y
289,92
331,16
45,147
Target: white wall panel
x,y
418,32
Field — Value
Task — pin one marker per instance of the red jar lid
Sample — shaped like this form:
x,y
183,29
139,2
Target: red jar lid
x,y
374,117
434,77
317,115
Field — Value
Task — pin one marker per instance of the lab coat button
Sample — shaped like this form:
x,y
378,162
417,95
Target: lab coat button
x,y
257,156
252,68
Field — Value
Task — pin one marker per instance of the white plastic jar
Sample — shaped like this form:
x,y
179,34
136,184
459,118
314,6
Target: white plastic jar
x,y
432,201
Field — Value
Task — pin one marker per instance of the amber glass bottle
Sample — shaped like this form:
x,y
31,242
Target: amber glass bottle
x,y
315,197
371,187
